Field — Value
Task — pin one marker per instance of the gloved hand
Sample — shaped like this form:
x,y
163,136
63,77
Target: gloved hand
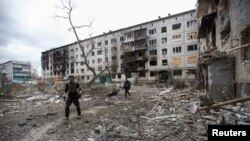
x,y
64,98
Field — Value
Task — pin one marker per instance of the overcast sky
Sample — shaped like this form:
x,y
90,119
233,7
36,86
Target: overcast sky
x,y
27,27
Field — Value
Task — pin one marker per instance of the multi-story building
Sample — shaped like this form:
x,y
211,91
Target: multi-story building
x,y
224,61
17,71
160,49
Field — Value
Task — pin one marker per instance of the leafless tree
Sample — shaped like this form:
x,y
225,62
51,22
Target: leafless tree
x,y
68,6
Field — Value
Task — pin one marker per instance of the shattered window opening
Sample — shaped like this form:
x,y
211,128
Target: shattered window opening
x,y
176,26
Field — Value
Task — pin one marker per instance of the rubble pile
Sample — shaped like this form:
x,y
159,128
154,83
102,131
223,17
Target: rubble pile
x,y
151,113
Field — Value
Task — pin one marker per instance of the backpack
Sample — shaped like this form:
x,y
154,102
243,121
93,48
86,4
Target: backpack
x,y
72,88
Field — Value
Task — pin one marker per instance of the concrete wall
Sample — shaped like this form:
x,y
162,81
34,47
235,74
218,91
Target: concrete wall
x,y
239,14
221,79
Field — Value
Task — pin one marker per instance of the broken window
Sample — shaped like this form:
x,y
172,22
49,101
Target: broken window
x,y
99,52
99,60
152,42
192,47
164,40
113,49
140,54
106,42
99,44
113,40
87,77
152,74
81,63
191,72
192,35
129,75
163,29
164,51
153,63
122,56
129,36
177,49
142,74
191,23
106,51
121,38
176,38
152,31
177,72
114,58
119,76
176,26
165,62
93,53
153,52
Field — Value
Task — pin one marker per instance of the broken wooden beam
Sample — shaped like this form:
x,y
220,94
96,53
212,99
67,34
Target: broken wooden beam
x,y
216,105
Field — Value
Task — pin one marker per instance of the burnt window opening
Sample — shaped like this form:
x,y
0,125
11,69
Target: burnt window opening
x,y
165,62
153,63
177,72
164,51
153,52
106,42
192,48
99,44
142,74
119,76
153,74
113,40
164,40
122,57
176,26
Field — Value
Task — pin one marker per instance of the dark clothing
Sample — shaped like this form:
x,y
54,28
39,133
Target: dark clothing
x,y
76,103
126,87
72,89
72,93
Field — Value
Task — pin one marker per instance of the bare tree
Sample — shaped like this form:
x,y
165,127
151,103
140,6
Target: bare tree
x,y
67,6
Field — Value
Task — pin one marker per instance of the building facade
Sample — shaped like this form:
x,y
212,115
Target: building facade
x,y
224,61
161,49
17,71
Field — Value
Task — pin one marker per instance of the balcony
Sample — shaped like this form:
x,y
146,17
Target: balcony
x,y
140,47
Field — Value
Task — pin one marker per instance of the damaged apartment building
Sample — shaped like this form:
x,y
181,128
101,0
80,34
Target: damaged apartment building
x,y
158,50
224,40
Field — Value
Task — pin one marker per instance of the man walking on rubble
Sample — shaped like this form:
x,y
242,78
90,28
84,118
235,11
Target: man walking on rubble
x,y
126,87
72,94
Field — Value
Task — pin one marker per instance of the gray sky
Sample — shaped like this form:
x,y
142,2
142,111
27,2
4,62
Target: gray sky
x,y
28,27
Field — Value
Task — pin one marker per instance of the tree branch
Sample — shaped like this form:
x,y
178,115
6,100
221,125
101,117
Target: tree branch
x,y
59,16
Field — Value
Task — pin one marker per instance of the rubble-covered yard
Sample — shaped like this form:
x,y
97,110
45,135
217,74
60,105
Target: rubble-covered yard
x,y
152,113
